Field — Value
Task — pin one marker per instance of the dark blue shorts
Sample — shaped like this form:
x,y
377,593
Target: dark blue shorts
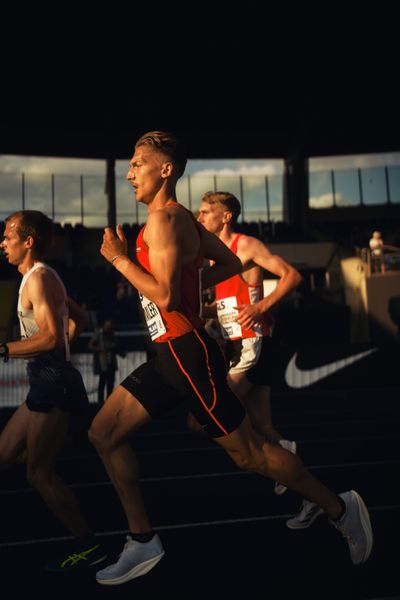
x,y
188,370
56,386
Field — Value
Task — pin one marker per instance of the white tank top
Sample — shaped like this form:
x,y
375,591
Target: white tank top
x,y
27,323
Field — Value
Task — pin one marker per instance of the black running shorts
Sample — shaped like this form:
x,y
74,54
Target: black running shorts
x,y
189,369
56,386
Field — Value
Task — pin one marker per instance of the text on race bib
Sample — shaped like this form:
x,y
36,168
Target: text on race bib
x,y
153,317
227,317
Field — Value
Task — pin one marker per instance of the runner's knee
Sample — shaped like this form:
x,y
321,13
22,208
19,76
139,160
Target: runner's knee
x,y
7,459
247,461
96,437
36,474
103,438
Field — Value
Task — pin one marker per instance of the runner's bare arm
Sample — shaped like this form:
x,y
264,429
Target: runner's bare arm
x,y
41,291
225,263
289,277
253,251
162,285
77,320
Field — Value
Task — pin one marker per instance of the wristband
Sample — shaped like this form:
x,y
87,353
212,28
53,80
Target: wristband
x,y
115,257
6,353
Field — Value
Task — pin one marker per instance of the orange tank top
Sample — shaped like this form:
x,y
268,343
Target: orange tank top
x,y
164,325
231,293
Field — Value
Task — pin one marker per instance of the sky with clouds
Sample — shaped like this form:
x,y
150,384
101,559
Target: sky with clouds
x,y
257,182
74,177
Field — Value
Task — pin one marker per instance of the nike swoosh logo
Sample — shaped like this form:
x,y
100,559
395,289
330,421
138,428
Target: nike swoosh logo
x,y
296,377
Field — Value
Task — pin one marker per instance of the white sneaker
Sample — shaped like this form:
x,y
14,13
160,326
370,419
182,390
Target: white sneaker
x,y
280,489
355,526
308,513
136,559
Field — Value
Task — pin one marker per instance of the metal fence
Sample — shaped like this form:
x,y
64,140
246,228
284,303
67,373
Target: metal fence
x,y
372,186
14,381
82,199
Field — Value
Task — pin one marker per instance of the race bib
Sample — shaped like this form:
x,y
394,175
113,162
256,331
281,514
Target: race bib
x,y
227,317
153,318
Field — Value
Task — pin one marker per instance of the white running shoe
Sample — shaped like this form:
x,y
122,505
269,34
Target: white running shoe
x,y
136,559
280,489
355,526
308,513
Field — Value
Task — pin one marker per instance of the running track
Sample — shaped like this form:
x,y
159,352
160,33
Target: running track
x,y
223,530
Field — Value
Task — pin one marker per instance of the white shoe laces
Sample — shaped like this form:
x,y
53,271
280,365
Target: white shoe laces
x,y
345,534
306,507
127,543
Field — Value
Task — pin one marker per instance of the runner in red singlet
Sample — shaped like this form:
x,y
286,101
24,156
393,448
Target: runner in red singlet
x,y
188,366
243,314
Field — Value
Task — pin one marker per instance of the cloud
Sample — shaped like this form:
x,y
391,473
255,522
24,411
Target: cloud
x,y
42,165
357,161
246,170
326,201
226,167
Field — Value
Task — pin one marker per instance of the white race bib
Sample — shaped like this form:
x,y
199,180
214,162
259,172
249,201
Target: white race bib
x,y
153,317
227,317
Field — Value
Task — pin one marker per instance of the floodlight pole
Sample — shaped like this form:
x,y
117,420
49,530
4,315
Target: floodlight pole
x,y
295,191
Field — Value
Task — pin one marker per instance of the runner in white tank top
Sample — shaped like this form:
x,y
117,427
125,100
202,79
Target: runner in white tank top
x,y
28,325
38,429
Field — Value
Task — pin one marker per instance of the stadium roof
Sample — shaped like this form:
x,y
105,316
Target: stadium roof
x,y
237,99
